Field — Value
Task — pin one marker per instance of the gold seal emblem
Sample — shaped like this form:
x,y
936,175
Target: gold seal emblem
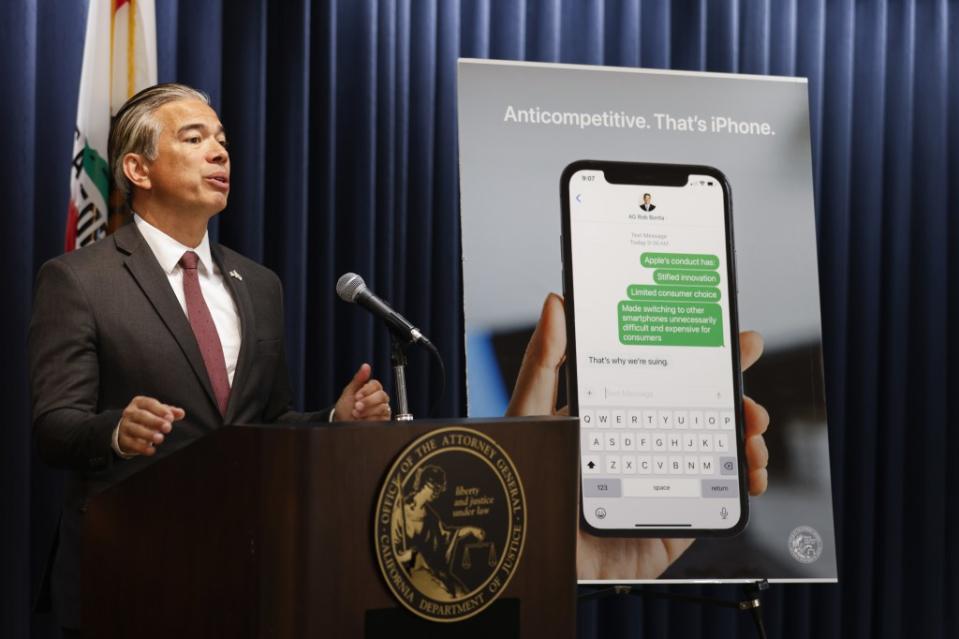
x,y
450,524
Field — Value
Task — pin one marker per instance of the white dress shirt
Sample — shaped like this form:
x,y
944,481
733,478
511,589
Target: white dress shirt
x,y
216,293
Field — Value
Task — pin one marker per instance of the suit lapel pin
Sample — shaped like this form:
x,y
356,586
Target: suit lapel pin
x,y
233,273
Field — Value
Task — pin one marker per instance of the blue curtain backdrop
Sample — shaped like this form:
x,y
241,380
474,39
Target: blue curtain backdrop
x,y
343,127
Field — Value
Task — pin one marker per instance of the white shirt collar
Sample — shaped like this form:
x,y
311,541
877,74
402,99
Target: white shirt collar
x,y
168,251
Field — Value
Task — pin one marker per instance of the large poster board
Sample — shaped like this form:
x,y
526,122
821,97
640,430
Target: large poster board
x,y
520,126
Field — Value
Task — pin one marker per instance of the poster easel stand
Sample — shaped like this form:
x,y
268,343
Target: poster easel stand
x,y
749,602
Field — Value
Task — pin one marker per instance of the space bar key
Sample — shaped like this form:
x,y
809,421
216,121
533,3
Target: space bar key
x,y
643,487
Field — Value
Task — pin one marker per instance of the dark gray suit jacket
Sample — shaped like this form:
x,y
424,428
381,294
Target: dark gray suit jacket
x,y
107,327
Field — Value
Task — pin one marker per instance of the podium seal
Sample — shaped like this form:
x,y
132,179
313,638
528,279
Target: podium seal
x,y
450,524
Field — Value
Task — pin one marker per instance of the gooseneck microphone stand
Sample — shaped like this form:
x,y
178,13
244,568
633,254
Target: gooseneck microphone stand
x,y
398,347
398,356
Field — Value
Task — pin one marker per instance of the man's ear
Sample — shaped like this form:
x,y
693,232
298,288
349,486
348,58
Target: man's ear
x,y
137,170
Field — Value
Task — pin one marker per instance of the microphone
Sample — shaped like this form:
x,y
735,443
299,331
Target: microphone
x,y
351,288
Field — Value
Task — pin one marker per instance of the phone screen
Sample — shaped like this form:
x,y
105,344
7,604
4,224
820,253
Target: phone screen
x,y
655,369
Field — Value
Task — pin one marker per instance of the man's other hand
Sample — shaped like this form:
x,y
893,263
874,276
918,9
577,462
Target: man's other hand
x,y
145,424
363,399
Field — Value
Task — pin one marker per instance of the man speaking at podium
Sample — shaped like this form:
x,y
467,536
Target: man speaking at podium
x,y
153,337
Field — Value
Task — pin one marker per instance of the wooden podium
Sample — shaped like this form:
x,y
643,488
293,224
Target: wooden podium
x,y
266,531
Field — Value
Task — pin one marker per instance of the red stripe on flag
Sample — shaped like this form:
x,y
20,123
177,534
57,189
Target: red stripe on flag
x,y
70,242
119,3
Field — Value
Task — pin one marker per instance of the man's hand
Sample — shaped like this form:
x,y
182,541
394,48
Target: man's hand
x,y
363,399
145,424
535,394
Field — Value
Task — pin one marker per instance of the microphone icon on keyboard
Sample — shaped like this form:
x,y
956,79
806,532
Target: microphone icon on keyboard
x,y
723,512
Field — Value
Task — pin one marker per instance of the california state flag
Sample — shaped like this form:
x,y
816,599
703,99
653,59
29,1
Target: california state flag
x,y
119,59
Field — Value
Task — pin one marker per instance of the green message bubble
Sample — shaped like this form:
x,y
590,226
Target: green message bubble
x,y
685,278
670,323
679,260
650,292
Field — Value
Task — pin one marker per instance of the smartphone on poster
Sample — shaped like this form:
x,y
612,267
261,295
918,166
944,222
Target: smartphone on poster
x,y
653,365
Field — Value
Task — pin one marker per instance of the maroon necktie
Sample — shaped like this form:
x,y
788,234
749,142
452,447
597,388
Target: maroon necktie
x,y
205,331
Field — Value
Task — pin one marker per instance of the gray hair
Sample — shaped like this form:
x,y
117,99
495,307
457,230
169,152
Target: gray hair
x,y
135,130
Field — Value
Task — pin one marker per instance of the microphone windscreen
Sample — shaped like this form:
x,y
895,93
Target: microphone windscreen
x,y
349,286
